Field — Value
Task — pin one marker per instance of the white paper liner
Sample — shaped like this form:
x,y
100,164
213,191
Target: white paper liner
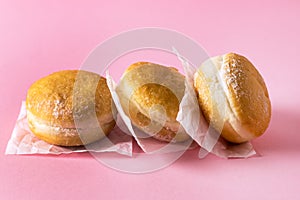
x,y
23,141
148,144
194,123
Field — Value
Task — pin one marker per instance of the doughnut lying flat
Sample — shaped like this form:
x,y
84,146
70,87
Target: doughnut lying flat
x,y
233,97
150,95
66,108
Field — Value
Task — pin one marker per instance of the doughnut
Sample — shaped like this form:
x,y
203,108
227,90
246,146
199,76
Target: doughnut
x,y
150,95
233,97
70,108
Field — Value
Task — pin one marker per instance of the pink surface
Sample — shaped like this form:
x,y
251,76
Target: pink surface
x,y
39,38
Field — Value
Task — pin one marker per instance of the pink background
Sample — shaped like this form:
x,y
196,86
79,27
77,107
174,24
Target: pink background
x,y
39,38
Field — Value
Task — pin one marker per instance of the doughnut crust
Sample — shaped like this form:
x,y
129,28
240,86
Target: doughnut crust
x,y
65,107
150,95
233,97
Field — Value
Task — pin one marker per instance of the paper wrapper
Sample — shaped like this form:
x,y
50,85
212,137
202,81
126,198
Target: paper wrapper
x,y
23,141
148,144
194,123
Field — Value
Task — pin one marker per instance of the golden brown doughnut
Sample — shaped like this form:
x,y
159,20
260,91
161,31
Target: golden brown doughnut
x,y
151,91
52,109
233,97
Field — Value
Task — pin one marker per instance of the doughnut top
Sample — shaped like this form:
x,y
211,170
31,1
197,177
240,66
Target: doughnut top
x,y
63,95
146,84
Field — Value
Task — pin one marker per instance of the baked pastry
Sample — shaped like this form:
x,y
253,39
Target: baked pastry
x,y
233,97
150,95
65,107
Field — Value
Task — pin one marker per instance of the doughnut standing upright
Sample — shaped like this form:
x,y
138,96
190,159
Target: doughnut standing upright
x,y
150,95
233,97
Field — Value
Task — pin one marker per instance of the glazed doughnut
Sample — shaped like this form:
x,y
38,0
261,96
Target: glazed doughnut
x,y
233,97
150,95
61,115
